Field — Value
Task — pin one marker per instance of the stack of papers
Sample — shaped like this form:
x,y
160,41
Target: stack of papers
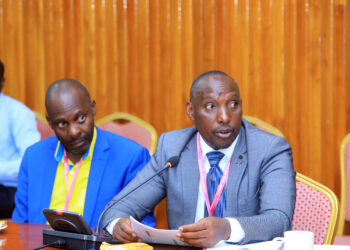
x,y
157,236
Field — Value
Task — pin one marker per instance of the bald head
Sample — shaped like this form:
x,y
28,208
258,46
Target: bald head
x,y
65,87
196,82
70,113
215,106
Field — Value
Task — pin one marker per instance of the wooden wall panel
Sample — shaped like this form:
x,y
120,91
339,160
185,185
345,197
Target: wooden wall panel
x,y
290,58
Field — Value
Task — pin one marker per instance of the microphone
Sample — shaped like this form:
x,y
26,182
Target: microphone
x,y
78,241
171,163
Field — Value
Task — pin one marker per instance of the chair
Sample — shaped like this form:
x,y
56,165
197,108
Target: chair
x,y
143,133
132,127
344,210
44,129
316,209
263,125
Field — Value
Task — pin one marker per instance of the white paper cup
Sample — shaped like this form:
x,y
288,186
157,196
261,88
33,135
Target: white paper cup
x,y
297,240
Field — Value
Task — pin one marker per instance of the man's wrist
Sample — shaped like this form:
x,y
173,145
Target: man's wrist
x,y
227,229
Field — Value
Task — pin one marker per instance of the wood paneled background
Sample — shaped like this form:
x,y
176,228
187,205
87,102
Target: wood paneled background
x,y
291,59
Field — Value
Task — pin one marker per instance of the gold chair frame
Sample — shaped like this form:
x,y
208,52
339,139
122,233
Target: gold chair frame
x,y
329,237
134,119
342,207
40,117
264,125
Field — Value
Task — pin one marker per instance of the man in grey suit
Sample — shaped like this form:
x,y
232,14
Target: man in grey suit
x,y
222,149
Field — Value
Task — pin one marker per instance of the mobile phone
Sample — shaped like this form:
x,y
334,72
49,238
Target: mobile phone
x,y
67,221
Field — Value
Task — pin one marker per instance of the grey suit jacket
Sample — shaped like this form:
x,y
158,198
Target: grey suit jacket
x,y
260,187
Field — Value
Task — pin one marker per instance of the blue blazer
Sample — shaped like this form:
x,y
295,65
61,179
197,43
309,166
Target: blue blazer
x,y
115,161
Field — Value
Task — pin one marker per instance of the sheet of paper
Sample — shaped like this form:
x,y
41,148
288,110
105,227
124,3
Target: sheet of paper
x,y
152,235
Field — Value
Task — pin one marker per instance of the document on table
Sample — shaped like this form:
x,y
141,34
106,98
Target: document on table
x,y
157,236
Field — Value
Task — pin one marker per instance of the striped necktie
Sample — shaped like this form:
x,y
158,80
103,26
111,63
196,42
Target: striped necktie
x,y
213,179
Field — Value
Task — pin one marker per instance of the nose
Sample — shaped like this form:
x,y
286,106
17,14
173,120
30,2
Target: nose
x,y
223,115
74,130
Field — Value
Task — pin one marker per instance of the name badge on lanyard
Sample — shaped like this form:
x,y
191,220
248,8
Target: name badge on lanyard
x,y
66,170
210,208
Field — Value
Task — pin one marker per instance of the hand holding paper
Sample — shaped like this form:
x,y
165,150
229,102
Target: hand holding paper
x,y
152,235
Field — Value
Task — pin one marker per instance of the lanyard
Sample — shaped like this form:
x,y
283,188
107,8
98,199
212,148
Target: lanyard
x,y
66,169
202,174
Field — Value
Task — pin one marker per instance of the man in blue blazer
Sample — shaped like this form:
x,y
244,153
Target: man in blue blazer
x,y
257,202
82,167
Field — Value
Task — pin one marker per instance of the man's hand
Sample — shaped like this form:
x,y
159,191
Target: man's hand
x,y
206,232
123,232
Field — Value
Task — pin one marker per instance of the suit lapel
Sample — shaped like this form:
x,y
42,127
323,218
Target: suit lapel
x,y
190,180
237,169
98,164
50,165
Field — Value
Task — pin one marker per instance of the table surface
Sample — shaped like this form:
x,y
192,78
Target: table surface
x,y
18,236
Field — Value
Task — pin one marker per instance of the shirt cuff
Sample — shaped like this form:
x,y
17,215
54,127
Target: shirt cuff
x,y
237,232
110,226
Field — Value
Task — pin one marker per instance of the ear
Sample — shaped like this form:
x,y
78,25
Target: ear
x,y
189,110
93,107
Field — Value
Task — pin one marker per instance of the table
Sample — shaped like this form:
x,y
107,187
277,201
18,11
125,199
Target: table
x,y
24,236
20,236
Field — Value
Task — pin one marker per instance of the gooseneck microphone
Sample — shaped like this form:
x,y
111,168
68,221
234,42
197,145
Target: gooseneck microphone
x,y
171,163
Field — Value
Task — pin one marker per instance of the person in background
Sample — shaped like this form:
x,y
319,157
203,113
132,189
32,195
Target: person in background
x,y
18,131
79,169
254,168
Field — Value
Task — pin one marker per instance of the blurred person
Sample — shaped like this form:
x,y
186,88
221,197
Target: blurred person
x,y
18,131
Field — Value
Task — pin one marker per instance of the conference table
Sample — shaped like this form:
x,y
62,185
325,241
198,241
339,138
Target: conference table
x,y
24,236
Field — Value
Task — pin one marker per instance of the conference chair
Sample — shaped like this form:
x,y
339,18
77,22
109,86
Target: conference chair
x,y
344,210
44,129
132,127
263,125
316,209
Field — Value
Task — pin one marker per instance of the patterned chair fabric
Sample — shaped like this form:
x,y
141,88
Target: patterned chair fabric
x,y
316,209
132,127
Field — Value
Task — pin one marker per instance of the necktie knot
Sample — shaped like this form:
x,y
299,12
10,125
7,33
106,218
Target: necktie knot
x,y
214,158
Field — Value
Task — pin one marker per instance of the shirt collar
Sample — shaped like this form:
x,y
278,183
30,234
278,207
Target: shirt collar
x,y
226,151
87,155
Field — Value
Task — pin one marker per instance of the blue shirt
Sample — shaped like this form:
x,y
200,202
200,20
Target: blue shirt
x,y
18,131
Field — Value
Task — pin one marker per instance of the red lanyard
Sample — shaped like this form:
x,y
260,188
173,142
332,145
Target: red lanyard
x,y
202,174
66,169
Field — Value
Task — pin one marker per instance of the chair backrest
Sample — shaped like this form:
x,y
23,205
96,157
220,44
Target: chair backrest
x,y
132,127
44,129
316,209
263,125
344,211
